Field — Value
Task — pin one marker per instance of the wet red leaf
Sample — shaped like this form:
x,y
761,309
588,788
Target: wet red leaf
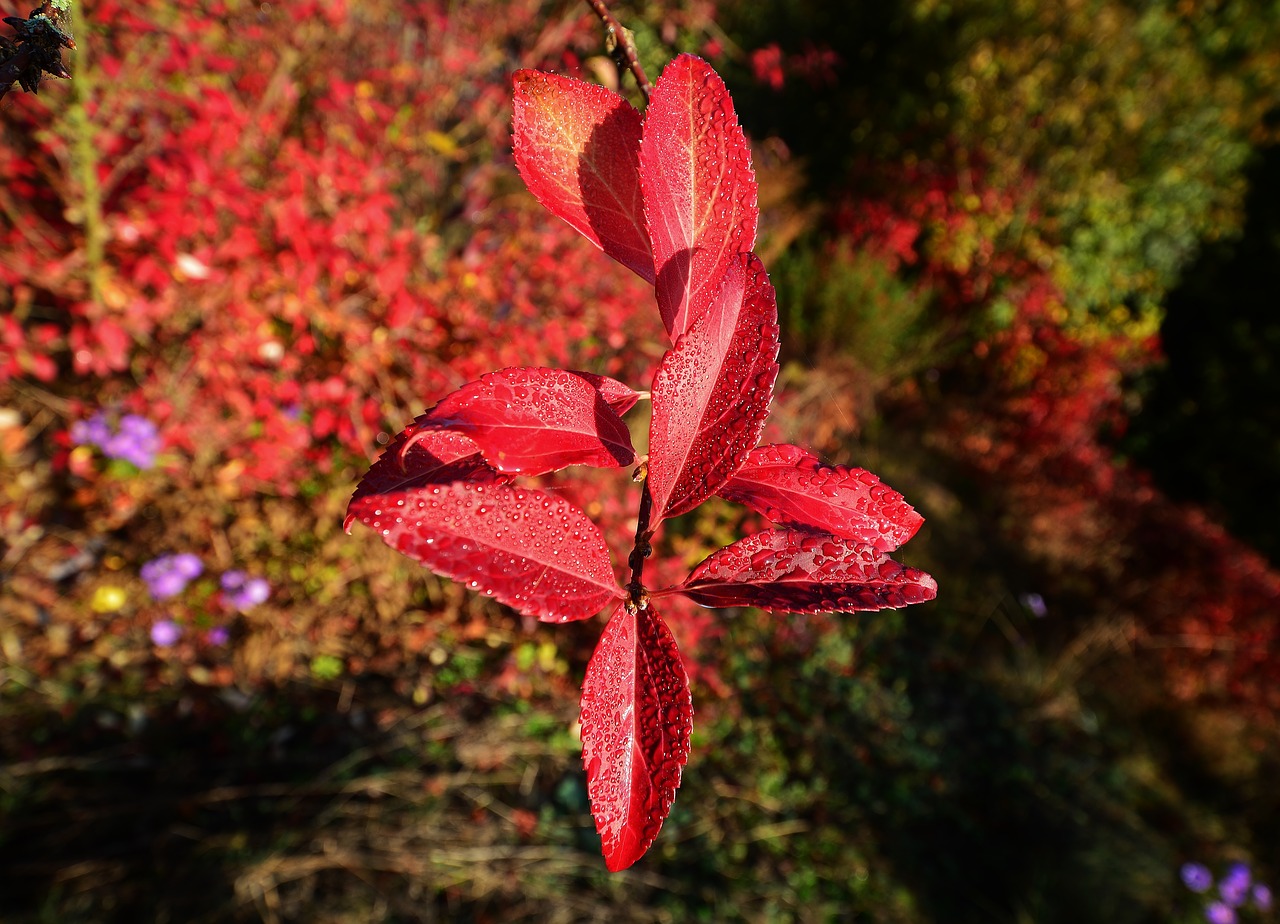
x,y
577,148
532,420
792,487
418,457
699,188
794,571
531,550
712,391
618,396
637,716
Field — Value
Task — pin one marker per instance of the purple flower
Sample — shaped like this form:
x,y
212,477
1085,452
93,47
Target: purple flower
x,y
167,584
167,576
136,440
1262,897
1034,604
138,427
244,592
1218,913
124,448
218,635
188,565
1234,887
92,432
165,632
1196,876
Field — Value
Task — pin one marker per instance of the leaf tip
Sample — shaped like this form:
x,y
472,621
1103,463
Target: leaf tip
x,y
620,859
927,587
523,77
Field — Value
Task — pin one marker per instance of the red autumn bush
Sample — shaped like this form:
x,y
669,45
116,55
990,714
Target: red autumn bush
x,y
246,213
1034,412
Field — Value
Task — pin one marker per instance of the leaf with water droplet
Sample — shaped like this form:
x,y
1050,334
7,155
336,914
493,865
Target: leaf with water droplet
x,y
712,391
421,455
533,551
531,420
577,147
699,188
797,571
637,716
793,487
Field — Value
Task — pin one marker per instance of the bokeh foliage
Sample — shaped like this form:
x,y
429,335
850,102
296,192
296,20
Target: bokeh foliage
x,y
1209,423
1126,126
972,225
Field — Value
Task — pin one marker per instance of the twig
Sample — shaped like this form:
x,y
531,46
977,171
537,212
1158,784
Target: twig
x,y
622,48
636,595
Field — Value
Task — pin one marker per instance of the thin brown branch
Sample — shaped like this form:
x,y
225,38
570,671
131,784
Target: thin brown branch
x,y
622,47
641,550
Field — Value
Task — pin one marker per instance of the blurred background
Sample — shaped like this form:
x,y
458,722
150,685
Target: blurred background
x,y
1027,258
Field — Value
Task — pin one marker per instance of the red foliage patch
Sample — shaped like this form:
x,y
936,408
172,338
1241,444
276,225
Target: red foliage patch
x,y
1043,393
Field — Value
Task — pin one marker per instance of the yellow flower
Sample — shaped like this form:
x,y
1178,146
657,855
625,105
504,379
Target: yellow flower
x,y
108,598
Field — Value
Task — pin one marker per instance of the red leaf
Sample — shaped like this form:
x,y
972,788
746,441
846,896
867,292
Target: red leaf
x,y
792,487
418,457
699,188
637,715
802,572
577,148
529,549
531,420
618,396
711,392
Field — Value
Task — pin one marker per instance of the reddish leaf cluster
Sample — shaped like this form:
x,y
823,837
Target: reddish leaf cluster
x,y
1043,393
267,256
671,196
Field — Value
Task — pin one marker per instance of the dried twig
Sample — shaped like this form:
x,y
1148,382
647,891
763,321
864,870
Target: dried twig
x,y
622,47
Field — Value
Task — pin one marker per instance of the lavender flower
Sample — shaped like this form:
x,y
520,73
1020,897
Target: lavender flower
x,y
165,632
244,592
135,441
1196,877
1262,897
188,565
92,432
1234,887
218,635
168,575
1219,913
1034,604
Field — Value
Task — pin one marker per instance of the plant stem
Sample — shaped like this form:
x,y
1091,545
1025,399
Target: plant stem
x,y
624,49
638,598
85,162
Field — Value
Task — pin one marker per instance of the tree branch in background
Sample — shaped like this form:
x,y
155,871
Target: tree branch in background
x,y
622,47
37,49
